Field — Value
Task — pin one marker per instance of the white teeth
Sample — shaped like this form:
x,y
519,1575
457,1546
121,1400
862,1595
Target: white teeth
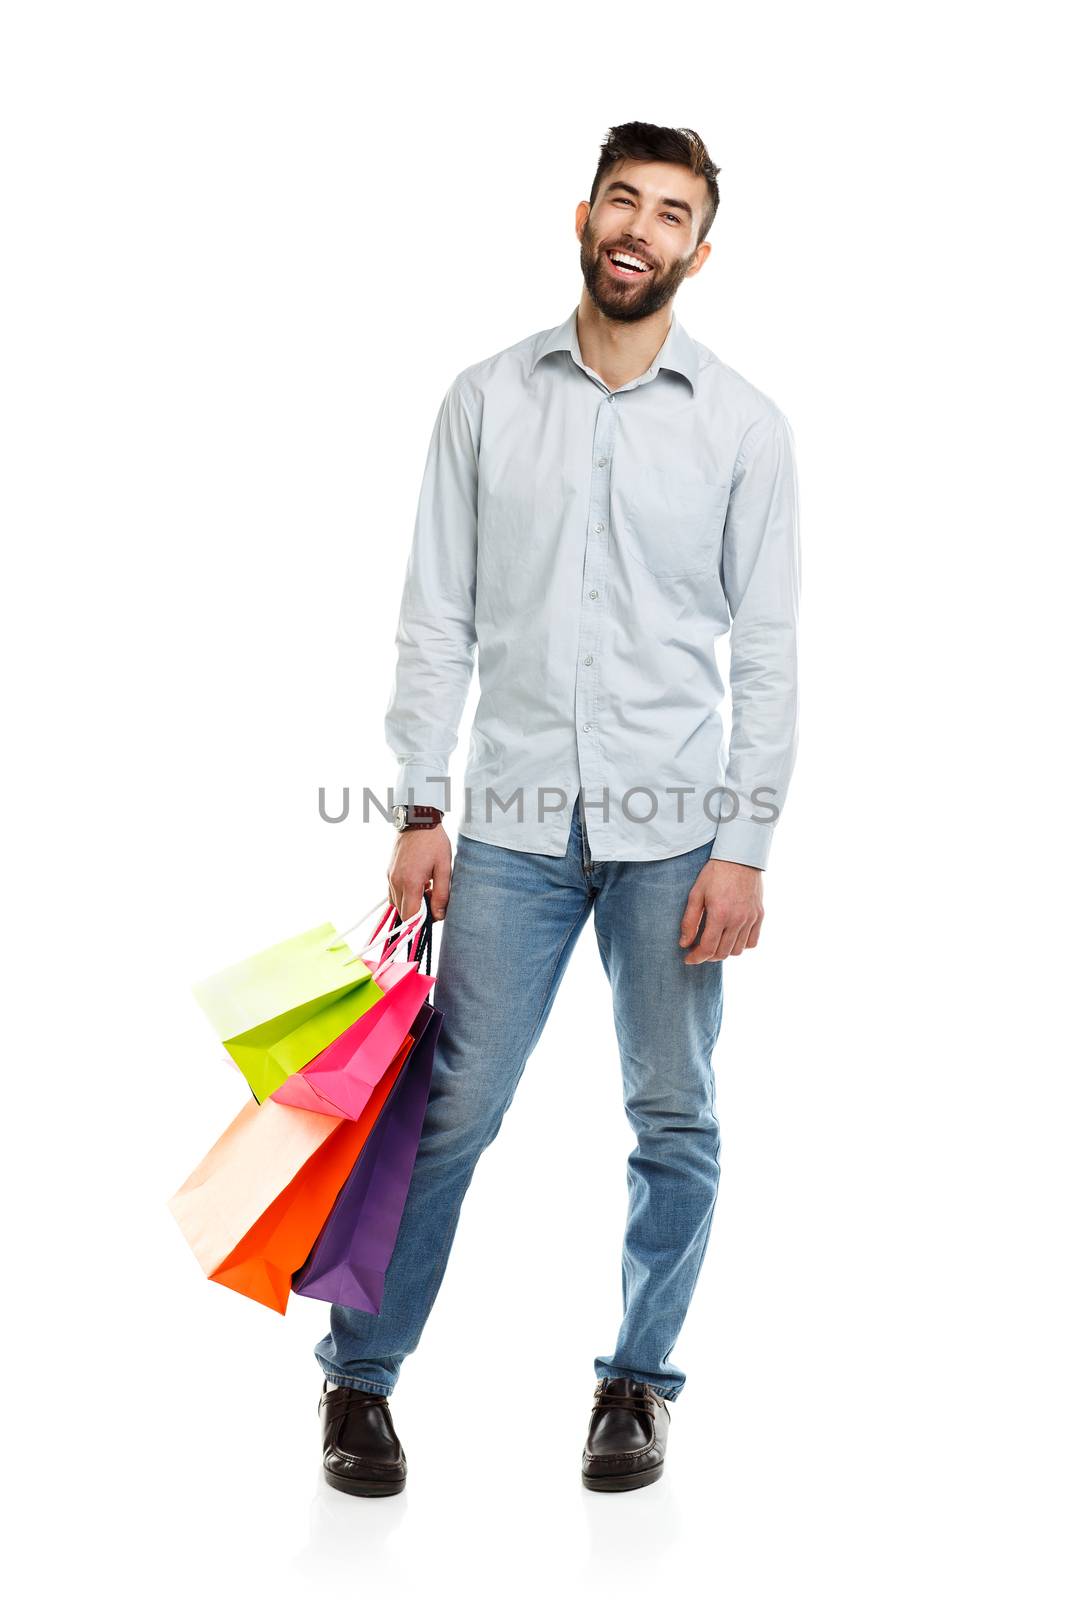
x,y
619,255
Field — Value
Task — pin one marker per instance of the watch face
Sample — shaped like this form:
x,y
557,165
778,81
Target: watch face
x,y
401,816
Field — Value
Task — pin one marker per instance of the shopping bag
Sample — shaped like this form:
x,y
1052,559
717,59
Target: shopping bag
x,y
340,1081
280,1008
294,978
348,1263
252,1209
268,1055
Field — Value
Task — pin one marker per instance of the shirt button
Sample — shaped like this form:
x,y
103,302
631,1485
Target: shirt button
x,y
611,399
594,594
587,726
587,660
602,460
599,527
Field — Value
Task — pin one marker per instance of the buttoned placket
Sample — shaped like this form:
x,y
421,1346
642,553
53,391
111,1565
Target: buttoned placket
x,y
592,613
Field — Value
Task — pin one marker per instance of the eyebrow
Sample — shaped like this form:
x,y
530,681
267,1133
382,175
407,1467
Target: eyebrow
x,y
680,205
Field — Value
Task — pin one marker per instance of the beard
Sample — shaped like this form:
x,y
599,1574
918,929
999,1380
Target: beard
x,y
632,300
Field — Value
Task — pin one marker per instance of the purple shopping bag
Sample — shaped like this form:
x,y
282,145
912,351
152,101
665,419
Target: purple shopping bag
x,y
347,1265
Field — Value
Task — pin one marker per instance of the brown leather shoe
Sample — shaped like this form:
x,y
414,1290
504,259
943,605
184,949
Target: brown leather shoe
x,y
626,1444
361,1453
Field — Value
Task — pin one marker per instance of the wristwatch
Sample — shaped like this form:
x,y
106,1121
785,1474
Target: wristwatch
x,y
408,817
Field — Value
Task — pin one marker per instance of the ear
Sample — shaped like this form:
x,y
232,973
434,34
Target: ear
x,y
703,251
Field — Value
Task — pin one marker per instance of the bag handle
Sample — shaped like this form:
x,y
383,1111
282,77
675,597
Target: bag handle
x,y
424,943
393,932
394,935
423,933
420,924
408,929
340,938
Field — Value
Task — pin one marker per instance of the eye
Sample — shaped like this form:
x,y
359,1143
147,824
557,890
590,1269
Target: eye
x,y
673,218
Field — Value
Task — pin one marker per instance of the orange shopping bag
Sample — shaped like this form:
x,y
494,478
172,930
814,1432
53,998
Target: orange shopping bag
x,y
254,1206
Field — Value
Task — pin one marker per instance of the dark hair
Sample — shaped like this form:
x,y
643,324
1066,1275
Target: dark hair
x,y
646,141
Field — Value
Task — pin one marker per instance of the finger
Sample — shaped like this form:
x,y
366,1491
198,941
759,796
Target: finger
x,y
754,934
408,895
709,939
741,940
733,931
690,920
440,891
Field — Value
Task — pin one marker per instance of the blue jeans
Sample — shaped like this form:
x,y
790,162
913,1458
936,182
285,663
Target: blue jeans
x,y
510,927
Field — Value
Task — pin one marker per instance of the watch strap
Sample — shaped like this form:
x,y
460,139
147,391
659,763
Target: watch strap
x,y
422,817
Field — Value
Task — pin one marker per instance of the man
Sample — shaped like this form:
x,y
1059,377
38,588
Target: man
x,y
600,502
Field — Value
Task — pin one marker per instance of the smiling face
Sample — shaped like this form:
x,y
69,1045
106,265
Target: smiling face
x,y
639,240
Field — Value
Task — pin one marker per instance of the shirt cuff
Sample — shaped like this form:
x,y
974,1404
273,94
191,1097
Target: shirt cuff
x,y
430,785
743,841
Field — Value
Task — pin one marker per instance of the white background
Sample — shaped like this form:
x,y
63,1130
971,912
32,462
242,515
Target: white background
x,y
247,248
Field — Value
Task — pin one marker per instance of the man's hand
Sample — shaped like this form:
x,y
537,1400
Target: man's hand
x,y
421,860
728,895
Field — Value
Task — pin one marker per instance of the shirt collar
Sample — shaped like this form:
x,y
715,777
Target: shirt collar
x,y
678,353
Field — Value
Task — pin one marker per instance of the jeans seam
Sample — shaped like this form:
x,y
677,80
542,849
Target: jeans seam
x,y
715,1196
346,1382
662,1394
434,1281
707,1233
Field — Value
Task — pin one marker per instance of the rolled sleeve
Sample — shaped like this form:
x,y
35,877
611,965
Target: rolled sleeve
x,y
436,637
760,575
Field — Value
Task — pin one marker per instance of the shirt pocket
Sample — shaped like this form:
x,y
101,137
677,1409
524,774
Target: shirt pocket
x,y
672,522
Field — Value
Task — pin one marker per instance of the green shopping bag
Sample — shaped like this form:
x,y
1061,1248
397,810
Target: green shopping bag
x,y
280,1008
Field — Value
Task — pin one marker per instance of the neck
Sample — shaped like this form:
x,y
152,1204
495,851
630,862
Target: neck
x,y
619,351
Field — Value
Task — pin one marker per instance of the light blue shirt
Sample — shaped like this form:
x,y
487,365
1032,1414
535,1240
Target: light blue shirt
x,y
589,547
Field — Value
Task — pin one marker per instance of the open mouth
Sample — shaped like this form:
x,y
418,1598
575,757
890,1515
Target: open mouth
x,y
623,264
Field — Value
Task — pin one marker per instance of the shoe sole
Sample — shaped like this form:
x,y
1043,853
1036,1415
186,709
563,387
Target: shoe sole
x,y
363,1486
624,1480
